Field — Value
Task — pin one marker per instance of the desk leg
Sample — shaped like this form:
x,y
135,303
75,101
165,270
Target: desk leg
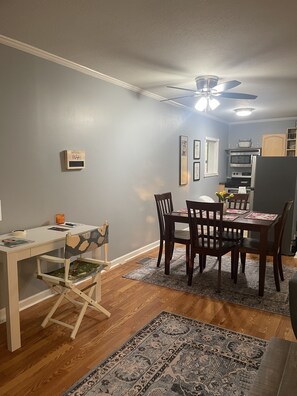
x,y
262,260
12,304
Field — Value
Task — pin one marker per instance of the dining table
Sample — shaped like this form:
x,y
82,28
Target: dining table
x,y
237,219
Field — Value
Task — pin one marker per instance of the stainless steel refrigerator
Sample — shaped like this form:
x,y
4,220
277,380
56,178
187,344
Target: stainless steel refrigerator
x,y
273,182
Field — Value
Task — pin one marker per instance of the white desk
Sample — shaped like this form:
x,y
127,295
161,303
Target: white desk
x,y
45,240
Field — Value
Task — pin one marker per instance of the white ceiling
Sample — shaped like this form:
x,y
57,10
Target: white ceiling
x,y
154,43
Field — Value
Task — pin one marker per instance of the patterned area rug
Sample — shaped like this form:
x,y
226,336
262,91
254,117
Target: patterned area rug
x,y
245,292
174,355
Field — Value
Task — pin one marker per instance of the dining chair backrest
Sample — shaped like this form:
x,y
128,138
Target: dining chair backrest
x,y
280,227
164,205
206,224
238,201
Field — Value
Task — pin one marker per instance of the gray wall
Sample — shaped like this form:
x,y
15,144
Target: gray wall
x,y
255,130
131,144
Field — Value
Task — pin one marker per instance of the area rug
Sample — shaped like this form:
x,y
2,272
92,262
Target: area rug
x,y
245,292
174,355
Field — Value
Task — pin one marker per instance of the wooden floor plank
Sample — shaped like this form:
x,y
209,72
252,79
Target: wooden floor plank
x,y
49,362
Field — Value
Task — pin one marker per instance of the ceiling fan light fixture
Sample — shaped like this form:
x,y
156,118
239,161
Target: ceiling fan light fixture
x,y
201,104
213,103
206,103
244,112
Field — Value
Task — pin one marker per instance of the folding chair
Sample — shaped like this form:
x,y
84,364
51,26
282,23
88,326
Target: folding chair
x,y
76,268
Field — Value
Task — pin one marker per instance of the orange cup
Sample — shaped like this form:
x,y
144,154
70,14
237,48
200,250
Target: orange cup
x,y
60,218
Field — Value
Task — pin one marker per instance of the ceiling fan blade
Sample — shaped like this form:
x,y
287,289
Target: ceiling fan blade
x,y
226,85
184,89
236,95
178,97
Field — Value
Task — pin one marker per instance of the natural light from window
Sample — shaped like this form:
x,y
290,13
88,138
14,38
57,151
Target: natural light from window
x,y
211,157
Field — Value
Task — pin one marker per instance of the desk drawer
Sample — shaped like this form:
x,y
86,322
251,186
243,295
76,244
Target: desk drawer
x,y
47,247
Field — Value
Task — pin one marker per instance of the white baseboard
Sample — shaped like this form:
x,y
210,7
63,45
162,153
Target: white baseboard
x,y
36,298
28,302
135,253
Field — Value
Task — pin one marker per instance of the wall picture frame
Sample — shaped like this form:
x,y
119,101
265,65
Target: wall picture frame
x,y
196,149
183,160
196,171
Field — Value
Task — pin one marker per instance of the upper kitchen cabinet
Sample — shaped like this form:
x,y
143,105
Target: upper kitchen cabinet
x,y
291,148
274,145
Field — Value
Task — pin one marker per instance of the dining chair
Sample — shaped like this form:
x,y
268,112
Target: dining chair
x,y
206,229
165,205
239,201
66,272
252,245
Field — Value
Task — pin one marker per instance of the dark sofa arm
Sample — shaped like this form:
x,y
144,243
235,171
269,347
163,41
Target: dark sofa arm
x,y
293,302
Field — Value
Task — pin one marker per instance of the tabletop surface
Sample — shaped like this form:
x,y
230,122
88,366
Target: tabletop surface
x,y
236,216
39,235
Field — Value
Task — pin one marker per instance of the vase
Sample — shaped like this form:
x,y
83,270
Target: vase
x,y
224,207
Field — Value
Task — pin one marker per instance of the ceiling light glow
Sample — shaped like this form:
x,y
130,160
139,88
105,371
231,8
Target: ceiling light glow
x,y
244,112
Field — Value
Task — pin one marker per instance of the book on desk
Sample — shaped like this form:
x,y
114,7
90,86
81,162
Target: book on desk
x,y
13,242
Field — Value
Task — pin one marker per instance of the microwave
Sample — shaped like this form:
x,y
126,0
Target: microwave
x,y
242,159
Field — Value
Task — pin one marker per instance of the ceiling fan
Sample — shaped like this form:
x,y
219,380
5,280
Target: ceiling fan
x,y
208,90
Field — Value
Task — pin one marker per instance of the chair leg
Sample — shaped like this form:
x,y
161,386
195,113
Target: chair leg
x,y
187,258
234,264
190,269
201,265
172,250
202,262
219,274
160,253
79,320
90,300
98,291
54,308
92,293
280,266
275,271
242,259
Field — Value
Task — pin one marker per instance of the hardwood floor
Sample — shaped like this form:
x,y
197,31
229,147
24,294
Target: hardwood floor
x,y
49,362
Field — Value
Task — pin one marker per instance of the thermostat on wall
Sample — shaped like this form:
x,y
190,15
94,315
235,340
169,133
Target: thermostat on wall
x,y
75,159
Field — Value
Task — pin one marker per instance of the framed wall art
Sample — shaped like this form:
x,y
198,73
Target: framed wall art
x,y
183,160
196,171
196,149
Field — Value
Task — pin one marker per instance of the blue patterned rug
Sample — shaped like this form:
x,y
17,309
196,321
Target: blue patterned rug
x,y
245,292
174,355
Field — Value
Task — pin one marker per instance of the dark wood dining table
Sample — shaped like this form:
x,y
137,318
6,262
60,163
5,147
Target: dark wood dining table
x,y
241,222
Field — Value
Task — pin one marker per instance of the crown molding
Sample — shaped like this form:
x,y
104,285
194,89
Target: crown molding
x,y
83,69
265,120
72,65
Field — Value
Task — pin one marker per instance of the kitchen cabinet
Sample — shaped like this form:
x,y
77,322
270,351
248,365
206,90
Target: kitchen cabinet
x,y
274,145
291,149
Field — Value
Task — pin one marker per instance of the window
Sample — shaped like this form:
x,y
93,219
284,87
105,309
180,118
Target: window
x,y
211,157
